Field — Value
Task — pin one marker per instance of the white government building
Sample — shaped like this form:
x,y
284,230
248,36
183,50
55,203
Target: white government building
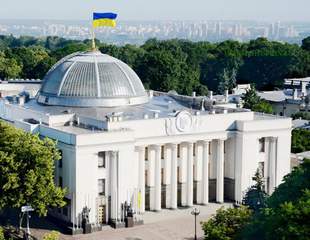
x,y
153,150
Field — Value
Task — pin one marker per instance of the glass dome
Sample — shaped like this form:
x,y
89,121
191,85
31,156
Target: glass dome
x,y
91,79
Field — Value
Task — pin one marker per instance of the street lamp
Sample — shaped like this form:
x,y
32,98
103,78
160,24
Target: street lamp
x,y
195,212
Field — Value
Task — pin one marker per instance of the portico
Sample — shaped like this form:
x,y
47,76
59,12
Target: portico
x,y
190,169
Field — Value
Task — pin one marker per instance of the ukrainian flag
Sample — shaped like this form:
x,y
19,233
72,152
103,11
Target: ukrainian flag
x,y
104,19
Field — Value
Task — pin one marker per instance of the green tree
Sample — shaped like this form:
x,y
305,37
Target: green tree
x,y
27,171
302,115
300,140
306,44
256,197
28,58
227,224
293,186
263,106
255,103
9,68
69,49
288,210
250,98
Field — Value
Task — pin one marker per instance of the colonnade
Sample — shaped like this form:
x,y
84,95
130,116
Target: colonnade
x,y
183,164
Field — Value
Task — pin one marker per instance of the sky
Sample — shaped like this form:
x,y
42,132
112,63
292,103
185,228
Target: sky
x,y
270,10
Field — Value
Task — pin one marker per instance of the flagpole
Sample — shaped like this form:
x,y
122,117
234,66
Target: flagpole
x,y
93,39
93,43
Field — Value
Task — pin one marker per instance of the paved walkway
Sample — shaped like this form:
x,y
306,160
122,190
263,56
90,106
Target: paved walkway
x,y
165,225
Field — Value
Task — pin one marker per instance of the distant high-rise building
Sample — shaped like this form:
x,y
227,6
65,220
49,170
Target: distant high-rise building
x,y
218,29
277,29
204,28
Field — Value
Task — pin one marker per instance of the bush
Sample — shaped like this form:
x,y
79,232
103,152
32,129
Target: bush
x,y
302,115
53,235
300,140
288,210
227,224
1,234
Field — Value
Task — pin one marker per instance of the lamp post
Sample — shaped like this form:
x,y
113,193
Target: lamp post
x,y
195,212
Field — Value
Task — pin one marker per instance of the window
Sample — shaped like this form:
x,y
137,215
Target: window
x,y
225,146
179,150
60,160
146,152
262,145
162,152
194,149
60,182
101,159
101,186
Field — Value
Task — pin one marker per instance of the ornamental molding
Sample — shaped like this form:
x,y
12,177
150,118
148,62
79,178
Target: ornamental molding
x,y
182,122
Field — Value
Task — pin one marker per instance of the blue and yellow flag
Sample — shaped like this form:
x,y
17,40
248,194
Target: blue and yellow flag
x,y
104,20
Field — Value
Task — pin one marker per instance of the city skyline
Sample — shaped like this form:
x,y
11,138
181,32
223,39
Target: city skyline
x,y
137,32
283,10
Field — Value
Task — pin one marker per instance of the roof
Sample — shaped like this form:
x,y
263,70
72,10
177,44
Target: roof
x,y
301,123
87,79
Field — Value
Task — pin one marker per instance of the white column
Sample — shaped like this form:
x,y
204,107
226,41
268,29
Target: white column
x,y
183,173
220,171
190,179
198,161
174,176
167,174
272,164
141,152
151,177
157,178
114,185
205,173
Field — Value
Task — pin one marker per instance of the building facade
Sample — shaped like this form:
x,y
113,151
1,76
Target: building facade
x,y
122,145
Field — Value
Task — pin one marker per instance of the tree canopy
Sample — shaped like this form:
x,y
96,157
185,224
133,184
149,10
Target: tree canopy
x,y
285,215
300,140
181,65
255,103
227,224
256,197
27,171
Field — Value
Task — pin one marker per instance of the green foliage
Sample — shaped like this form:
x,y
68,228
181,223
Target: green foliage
x,y
171,64
27,171
263,106
306,44
227,224
53,235
256,197
255,103
302,115
293,186
285,214
9,67
300,140
1,234
290,220
288,210
69,49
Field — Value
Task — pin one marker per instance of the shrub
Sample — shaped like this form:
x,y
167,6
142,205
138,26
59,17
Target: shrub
x,y
226,224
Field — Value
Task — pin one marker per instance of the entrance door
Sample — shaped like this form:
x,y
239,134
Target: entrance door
x,y
102,214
